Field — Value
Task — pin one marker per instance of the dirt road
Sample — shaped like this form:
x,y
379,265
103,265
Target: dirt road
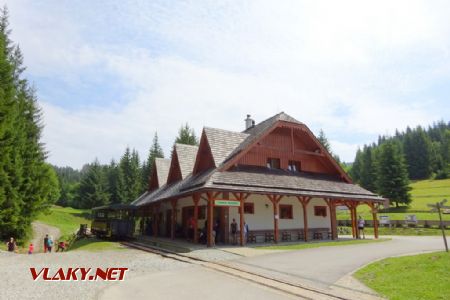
x,y
39,232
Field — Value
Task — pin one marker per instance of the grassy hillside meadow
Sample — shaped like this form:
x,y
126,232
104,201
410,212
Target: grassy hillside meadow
x,y
67,219
423,192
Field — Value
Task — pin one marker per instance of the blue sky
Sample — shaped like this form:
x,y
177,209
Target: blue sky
x,y
111,73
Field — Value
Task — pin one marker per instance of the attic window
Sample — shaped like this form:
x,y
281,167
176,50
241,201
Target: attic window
x,y
294,166
273,163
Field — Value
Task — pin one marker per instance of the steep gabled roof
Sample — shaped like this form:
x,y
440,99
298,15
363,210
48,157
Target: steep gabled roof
x,y
182,162
257,131
214,169
223,142
159,173
186,157
162,166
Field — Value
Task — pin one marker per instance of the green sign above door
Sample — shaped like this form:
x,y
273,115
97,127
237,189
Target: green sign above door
x,y
227,203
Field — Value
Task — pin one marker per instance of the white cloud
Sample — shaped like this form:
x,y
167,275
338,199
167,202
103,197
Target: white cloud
x,y
347,67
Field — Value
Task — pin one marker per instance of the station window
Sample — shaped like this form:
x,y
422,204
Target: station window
x,y
249,208
320,211
294,166
285,211
273,163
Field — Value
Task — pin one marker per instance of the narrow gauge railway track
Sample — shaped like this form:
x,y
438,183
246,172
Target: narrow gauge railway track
x,y
290,288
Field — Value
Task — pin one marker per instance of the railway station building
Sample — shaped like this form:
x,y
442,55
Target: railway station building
x,y
275,177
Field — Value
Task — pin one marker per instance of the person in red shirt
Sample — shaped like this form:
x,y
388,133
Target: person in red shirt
x,y
191,225
31,249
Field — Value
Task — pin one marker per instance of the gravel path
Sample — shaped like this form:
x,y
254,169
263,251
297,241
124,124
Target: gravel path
x,y
16,281
39,232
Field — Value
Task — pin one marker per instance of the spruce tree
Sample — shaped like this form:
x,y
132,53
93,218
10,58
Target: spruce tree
x,y
355,171
368,172
27,184
324,141
93,188
154,152
417,149
115,183
132,178
392,174
186,135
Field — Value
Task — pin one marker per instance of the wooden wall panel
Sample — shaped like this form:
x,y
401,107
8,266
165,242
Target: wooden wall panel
x,y
279,143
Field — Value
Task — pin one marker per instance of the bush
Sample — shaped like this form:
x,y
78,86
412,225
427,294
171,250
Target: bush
x,y
442,174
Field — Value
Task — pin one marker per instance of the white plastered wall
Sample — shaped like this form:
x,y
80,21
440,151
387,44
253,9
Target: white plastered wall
x,y
263,217
297,213
318,221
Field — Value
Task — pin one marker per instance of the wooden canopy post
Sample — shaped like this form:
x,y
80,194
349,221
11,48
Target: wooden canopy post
x,y
241,198
374,208
304,201
353,206
155,219
332,207
356,219
211,197
196,198
173,202
350,206
275,199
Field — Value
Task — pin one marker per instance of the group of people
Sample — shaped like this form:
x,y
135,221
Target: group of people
x,y
11,245
234,231
48,244
216,232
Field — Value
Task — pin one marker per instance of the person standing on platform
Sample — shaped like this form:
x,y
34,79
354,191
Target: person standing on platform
x,y
245,232
361,224
217,231
11,245
234,231
45,243
49,244
191,224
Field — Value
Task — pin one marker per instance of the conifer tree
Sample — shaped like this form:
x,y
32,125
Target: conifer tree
x,y
186,135
93,187
28,185
417,149
392,174
130,165
355,171
154,152
115,183
368,173
324,140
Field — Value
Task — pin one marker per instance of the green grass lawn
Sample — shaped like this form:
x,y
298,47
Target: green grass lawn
x,y
405,231
425,276
95,245
67,219
320,244
423,192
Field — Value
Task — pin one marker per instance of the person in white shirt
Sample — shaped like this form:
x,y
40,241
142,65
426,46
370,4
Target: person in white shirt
x,y
361,224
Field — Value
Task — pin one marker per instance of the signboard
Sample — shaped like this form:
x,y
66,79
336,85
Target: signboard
x,y
227,203
384,220
438,207
411,219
